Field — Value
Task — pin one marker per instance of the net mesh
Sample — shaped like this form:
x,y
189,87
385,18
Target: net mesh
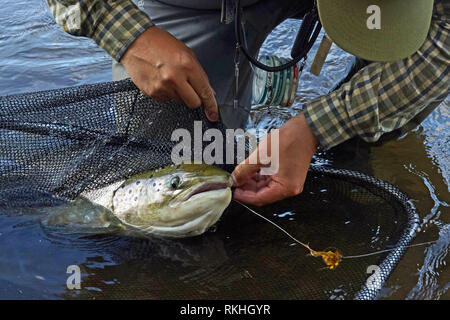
x,y
75,139
57,144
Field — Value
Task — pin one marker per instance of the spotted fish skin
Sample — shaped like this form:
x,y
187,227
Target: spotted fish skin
x,y
175,201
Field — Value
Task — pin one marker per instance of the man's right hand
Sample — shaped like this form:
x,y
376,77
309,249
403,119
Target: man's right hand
x,y
164,68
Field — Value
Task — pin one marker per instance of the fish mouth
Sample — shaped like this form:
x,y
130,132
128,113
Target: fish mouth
x,y
206,187
191,228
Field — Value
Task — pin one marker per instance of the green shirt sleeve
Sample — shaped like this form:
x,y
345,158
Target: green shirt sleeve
x,y
112,24
383,97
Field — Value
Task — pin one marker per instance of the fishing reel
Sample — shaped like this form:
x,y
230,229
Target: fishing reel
x,y
276,81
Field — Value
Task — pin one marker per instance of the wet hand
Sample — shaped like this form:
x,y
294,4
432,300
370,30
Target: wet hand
x,y
297,145
164,68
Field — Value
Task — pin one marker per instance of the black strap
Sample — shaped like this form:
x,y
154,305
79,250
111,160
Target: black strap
x,y
307,35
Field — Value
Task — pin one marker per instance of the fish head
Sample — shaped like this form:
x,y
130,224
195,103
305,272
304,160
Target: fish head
x,y
176,201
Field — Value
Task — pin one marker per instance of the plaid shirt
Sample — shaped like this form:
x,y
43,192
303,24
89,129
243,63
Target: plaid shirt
x,y
380,98
383,97
112,24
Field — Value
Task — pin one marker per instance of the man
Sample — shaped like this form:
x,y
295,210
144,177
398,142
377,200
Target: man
x,y
194,63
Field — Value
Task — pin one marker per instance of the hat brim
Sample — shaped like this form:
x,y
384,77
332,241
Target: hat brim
x,y
404,25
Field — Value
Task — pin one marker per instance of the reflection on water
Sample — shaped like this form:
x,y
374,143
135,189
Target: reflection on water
x,y
36,55
419,164
251,261
415,171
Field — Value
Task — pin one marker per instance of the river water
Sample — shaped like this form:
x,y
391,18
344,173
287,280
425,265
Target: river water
x,y
36,55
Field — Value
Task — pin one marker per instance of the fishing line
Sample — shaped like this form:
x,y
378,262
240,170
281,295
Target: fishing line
x,y
343,257
386,250
273,223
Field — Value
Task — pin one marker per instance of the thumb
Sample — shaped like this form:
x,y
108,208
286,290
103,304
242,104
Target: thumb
x,y
243,172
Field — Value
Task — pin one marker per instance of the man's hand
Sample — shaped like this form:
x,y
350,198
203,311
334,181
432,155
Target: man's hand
x,y
297,145
164,68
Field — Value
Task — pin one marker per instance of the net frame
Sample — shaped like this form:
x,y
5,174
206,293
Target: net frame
x,y
16,110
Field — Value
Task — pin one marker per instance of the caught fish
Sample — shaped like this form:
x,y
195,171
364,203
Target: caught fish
x,y
176,201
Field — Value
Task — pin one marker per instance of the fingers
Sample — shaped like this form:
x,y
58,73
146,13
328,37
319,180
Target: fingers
x,y
168,95
267,190
261,196
248,168
197,91
256,183
243,172
200,83
188,95
165,68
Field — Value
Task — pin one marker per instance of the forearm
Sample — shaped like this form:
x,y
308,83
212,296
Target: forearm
x,y
113,25
383,97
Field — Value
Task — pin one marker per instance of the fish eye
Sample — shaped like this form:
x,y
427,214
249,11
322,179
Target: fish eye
x,y
175,182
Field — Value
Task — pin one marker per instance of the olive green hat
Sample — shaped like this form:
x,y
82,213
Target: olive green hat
x,y
377,30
